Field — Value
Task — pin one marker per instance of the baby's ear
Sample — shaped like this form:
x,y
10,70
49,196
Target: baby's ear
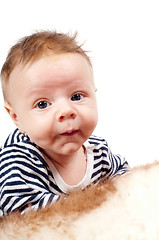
x,y
11,112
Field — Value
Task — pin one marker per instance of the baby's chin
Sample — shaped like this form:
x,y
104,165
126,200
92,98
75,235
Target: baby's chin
x,y
63,150
70,148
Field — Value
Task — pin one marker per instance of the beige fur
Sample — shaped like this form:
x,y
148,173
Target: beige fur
x,y
125,208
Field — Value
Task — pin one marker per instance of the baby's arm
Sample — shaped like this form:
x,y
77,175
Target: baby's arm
x,y
118,164
24,184
15,202
110,165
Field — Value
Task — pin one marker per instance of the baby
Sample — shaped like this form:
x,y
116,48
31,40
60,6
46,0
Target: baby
x,y
49,92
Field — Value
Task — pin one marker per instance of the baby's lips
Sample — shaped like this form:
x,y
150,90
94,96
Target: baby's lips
x,y
70,133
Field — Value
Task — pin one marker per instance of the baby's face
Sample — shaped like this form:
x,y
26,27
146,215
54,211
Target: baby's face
x,y
53,101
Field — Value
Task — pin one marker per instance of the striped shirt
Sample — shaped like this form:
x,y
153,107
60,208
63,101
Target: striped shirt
x,y
27,180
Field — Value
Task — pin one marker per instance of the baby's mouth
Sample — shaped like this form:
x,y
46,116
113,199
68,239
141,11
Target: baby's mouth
x,y
69,133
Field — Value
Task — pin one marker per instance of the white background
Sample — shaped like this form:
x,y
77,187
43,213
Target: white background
x,y
123,37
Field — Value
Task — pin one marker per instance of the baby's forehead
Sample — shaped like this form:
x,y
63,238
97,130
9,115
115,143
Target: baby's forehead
x,y
22,67
54,64
52,57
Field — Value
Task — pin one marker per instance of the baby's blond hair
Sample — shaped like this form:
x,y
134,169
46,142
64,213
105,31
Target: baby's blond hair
x,y
32,47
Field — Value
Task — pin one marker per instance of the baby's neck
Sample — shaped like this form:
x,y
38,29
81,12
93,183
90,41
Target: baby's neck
x,y
73,167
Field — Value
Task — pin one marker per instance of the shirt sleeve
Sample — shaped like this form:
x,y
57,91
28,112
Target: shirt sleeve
x,y
106,164
118,165
24,182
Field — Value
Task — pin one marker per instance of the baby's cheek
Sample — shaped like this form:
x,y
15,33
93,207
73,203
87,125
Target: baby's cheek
x,y
93,116
90,123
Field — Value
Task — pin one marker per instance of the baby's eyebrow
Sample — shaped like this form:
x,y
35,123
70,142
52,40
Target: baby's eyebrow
x,y
33,90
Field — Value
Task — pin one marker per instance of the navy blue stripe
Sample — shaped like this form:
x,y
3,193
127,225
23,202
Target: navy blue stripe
x,y
94,142
4,157
25,204
102,162
27,163
95,138
13,136
54,186
104,170
40,182
23,160
5,144
102,155
22,182
8,199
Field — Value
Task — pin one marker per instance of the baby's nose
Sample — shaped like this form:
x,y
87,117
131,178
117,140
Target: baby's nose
x,y
67,112
66,116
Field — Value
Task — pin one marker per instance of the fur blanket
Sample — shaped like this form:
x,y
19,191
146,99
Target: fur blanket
x,y
124,208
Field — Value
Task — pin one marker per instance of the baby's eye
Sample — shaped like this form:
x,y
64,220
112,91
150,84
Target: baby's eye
x,y
77,97
43,104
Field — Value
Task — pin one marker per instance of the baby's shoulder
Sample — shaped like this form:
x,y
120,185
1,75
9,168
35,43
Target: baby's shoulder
x,y
14,138
17,141
94,140
97,144
19,145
